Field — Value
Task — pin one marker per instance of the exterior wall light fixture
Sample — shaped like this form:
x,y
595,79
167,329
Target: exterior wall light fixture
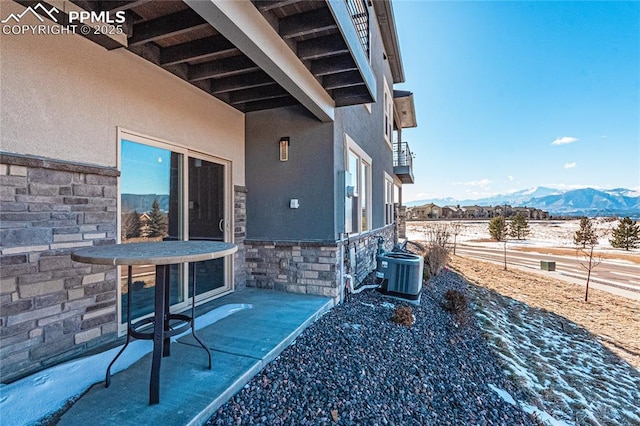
x,y
284,148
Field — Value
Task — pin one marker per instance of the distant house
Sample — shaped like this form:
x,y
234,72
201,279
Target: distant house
x,y
425,212
451,212
432,211
473,212
499,210
273,125
531,213
522,211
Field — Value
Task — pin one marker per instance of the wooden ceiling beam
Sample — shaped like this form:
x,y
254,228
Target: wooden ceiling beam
x,y
259,94
115,6
266,5
322,47
241,82
226,67
352,95
167,26
333,65
269,104
341,80
204,48
307,23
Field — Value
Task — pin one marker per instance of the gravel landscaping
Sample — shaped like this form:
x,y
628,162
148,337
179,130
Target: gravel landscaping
x,y
356,366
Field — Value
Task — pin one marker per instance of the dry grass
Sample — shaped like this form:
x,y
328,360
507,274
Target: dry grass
x,y
614,319
631,257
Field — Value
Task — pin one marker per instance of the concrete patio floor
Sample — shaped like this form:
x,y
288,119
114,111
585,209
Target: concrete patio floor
x,y
241,345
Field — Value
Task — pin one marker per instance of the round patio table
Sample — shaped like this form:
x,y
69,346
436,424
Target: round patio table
x,y
162,254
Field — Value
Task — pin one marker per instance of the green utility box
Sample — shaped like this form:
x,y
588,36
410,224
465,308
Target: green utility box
x,y
547,265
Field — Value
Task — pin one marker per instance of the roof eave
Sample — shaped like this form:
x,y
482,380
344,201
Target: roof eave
x,y
404,106
386,20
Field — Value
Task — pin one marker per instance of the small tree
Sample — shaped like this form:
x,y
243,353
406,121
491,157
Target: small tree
x,y
456,227
131,225
498,228
519,227
587,238
626,235
585,235
156,224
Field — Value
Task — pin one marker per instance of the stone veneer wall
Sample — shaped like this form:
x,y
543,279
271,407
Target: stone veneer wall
x,y
51,308
239,235
367,249
311,267
297,267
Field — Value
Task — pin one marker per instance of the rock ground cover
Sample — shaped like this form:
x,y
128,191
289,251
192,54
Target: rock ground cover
x,y
357,366
563,361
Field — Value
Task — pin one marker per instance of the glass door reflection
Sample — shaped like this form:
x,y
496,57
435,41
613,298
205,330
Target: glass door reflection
x,y
151,197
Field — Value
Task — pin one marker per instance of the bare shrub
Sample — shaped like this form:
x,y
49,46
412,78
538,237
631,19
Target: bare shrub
x,y
455,301
403,315
437,249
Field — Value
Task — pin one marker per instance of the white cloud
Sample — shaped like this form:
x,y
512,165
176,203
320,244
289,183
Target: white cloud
x,y
511,178
569,165
482,183
564,140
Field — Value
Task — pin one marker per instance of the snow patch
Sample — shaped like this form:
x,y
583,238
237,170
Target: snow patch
x,y
542,415
571,375
506,396
50,389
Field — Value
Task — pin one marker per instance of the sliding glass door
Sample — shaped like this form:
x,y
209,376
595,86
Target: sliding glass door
x,y
207,220
169,192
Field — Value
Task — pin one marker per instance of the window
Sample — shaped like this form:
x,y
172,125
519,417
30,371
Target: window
x,y
358,206
364,197
388,199
168,192
388,113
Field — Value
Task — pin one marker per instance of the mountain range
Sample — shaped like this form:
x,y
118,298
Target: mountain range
x,y
575,202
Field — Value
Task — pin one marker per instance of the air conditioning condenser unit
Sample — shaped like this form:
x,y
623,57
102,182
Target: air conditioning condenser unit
x,y
401,274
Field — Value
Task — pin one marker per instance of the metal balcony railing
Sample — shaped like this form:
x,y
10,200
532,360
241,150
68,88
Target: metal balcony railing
x,y
403,162
360,16
402,155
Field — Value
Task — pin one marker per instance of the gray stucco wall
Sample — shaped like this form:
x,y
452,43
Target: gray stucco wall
x,y
307,176
367,130
313,173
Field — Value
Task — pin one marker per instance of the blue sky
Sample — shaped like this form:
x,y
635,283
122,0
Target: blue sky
x,y
145,169
512,95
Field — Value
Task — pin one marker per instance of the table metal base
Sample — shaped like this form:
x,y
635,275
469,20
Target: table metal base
x,y
165,325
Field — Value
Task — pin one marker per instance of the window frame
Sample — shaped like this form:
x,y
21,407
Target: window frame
x,y
388,114
363,159
389,198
